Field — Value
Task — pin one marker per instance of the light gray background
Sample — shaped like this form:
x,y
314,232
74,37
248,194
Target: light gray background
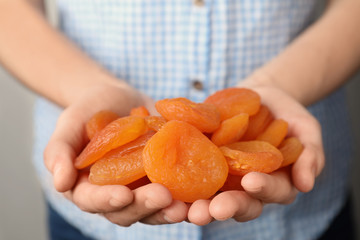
x,y
22,214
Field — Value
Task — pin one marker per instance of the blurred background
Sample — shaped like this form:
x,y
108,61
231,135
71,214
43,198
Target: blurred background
x,y
22,214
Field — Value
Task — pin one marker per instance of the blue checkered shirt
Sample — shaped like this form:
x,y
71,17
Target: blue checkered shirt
x,y
170,48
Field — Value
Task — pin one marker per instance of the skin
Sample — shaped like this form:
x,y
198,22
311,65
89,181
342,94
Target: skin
x,y
317,63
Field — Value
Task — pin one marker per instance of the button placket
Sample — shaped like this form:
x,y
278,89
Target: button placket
x,y
198,49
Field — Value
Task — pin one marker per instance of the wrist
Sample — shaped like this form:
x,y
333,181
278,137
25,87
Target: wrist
x,y
96,82
262,81
258,79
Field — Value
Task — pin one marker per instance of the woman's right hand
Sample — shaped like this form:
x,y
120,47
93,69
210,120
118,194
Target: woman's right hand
x,y
151,204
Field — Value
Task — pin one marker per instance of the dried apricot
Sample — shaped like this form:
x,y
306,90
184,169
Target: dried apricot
x,y
134,145
118,168
184,160
121,165
275,132
139,111
232,101
258,123
231,130
98,121
291,148
203,116
155,122
115,134
251,156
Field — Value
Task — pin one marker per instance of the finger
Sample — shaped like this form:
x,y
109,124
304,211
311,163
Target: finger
x,y
63,147
148,200
199,212
307,168
311,161
235,204
58,158
98,199
175,213
274,188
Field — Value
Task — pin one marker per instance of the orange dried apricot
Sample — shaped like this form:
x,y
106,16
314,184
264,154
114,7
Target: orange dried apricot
x,y
115,134
203,116
231,130
134,145
155,122
275,132
185,161
232,101
118,168
121,165
98,121
251,156
258,123
139,111
291,148
233,182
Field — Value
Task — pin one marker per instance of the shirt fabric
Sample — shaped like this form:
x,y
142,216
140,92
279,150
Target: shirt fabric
x,y
161,48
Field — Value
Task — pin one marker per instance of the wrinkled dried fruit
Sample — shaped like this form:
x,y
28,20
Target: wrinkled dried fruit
x,y
203,116
184,160
275,132
291,148
140,112
233,101
252,156
98,121
231,130
155,122
118,168
115,134
258,123
122,165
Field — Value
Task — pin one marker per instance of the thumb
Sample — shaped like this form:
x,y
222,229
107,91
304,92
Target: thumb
x,y
63,147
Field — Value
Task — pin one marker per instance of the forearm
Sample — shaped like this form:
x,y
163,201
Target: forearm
x,y
42,58
320,59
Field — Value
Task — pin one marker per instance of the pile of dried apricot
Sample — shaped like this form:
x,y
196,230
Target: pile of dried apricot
x,y
194,149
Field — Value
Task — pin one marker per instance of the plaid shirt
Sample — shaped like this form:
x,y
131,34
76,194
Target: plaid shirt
x,y
191,49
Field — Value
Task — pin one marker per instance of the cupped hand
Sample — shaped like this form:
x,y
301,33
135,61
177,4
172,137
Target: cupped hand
x,y
150,204
281,186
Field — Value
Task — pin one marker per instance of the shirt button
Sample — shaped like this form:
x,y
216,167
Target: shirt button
x,y
199,3
198,85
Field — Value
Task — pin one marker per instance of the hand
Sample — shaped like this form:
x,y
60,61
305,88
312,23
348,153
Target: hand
x,y
150,204
280,186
